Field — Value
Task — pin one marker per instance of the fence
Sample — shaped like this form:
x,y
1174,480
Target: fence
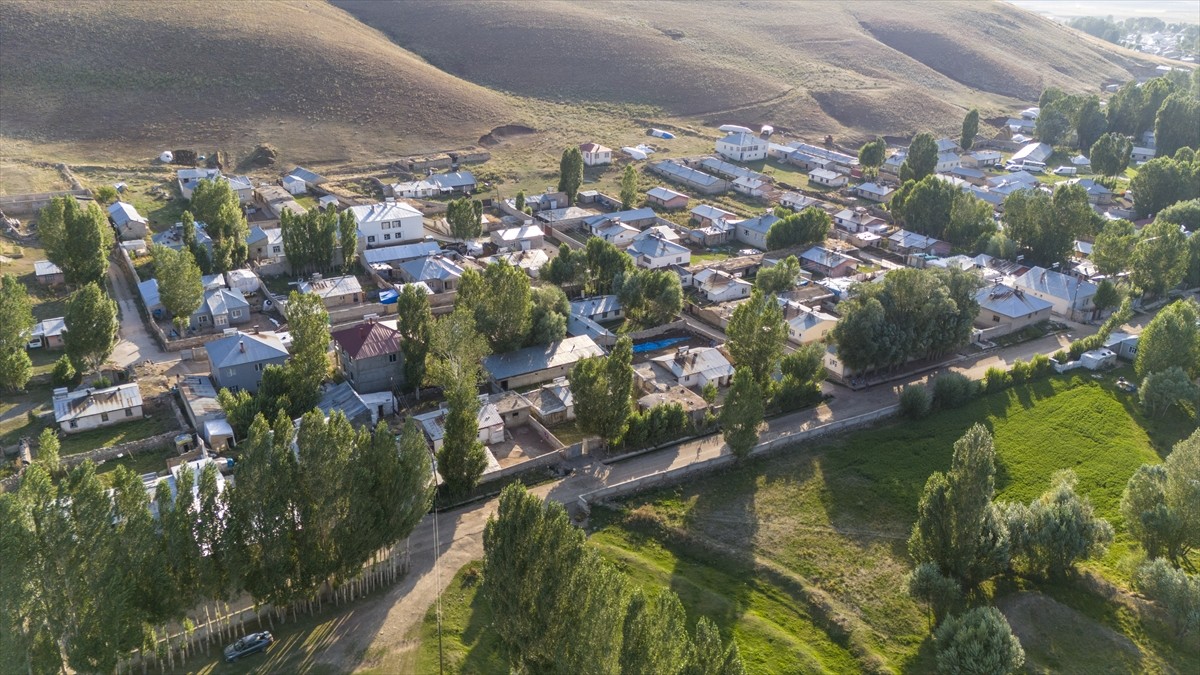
x,y
669,476
564,238
31,203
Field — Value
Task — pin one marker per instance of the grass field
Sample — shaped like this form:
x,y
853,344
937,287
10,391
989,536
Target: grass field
x,y
801,556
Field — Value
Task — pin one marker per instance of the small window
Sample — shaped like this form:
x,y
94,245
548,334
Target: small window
x,y
103,417
995,318
392,358
258,367
129,412
73,424
371,239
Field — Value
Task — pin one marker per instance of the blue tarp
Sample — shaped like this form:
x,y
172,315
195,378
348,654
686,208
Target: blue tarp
x,y
656,345
388,297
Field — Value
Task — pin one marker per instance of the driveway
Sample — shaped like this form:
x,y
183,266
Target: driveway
x,y
136,344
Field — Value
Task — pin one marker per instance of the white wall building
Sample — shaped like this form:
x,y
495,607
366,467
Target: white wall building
x,y
387,223
742,147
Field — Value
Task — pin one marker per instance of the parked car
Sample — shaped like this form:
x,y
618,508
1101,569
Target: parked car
x,y
251,644
1066,171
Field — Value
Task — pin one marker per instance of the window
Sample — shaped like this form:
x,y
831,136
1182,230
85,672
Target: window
x,y
995,318
258,367
230,372
73,424
103,417
391,358
237,314
387,237
129,412
371,239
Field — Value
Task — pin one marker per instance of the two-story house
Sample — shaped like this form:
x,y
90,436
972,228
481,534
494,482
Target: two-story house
x,y
369,357
387,223
742,147
238,360
652,251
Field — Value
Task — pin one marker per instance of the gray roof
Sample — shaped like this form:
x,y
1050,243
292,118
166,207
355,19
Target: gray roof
x,y
1057,284
242,348
732,170
710,212
45,268
534,359
761,223
451,181
909,239
271,236
50,327
87,402
332,287
708,361
123,213
823,173
655,246
400,253
946,145
1034,152
742,138
306,175
875,189
824,153
148,289
343,397
173,238
966,172
221,300
431,267
383,211
665,194
1009,301
621,216
685,174
598,304
822,256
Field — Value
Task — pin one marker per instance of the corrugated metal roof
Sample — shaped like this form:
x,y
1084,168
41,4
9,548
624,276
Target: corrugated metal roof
x,y
88,402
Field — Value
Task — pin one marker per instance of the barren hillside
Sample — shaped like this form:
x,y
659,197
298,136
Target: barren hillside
x,y
862,67
303,75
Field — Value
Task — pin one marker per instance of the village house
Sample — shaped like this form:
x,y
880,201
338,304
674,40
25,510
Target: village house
x,y
875,192
692,403
707,214
858,220
462,182
85,409
821,260
798,202
753,231
414,189
369,357
730,171
392,255
598,308
614,232
173,238
295,185
667,198
827,178
204,411
637,218
1068,296
335,291
720,286
697,366
905,242
526,237
809,157
437,272
220,308
343,398
48,333
806,324
48,274
654,251
947,161
699,181
129,223
552,402
531,261
188,179
1004,309
270,203
742,147
265,244
1140,154
148,291
385,223
237,361
534,365
490,424
595,154
982,159
1032,152
242,186
1097,193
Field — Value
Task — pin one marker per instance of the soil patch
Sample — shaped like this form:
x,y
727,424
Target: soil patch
x,y
503,133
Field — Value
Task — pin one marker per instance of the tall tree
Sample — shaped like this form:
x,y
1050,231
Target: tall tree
x,y
756,335
548,316
414,320
970,128
48,451
570,173
215,204
1160,183
1177,124
710,656
465,217
500,300
324,448
958,528
1161,391
1107,296
1113,248
1171,339
650,297
1057,529
348,239
778,278
655,639
457,347
871,154
309,363
179,284
200,253
1124,109
921,159
1110,154
569,269
1054,121
91,327
604,263
1046,227
629,187
742,413
76,238
1090,123
1159,259
603,390
810,226
1182,490
1186,214
16,322
933,207
1148,517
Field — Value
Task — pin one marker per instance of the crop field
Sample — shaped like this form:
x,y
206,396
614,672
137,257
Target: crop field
x,y
801,556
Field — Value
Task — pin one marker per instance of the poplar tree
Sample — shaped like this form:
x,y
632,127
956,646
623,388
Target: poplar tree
x,y
180,287
742,413
309,363
970,128
655,638
91,327
16,324
414,320
756,335
77,239
457,348
629,187
570,173
500,299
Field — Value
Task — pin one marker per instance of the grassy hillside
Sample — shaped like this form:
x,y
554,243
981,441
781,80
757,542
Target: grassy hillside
x,y
306,77
841,68
801,557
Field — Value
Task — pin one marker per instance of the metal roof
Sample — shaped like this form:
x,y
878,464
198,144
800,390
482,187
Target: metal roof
x,y
242,348
383,211
45,268
400,253
431,267
533,359
88,402
1009,301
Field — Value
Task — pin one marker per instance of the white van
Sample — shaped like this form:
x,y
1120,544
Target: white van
x,y
1033,167
1066,171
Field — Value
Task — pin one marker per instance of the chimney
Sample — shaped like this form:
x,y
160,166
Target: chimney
x,y
242,346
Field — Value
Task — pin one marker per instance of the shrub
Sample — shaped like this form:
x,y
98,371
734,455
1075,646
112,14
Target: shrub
x,y
1019,372
996,379
1040,366
915,401
979,641
1060,356
101,382
1177,591
709,392
656,426
64,372
951,390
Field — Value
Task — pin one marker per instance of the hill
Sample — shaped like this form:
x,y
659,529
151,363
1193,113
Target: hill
x,y
306,77
856,68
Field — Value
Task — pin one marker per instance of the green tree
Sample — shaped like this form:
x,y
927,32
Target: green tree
x,y
650,297
1160,391
810,226
48,451
936,208
179,284
1046,227
1185,214
456,348
105,195
1057,529
64,372
348,239
16,322
465,217
1113,248
1171,339
1160,183
1052,124
743,413
604,263
756,335
1183,489
655,638
921,159
970,128
1107,296
779,277
519,201
414,320
927,584
802,372
215,204
1148,517
1155,93
77,239
978,641
710,656
1159,260
309,363
548,315
323,468
570,173
1090,123
569,269
871,154
91,327
603,391
1124,110
200,253
958,528
500,300
629,187
1177,591
1110,154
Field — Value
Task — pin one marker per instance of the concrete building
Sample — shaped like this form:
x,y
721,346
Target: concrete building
x,y
48,274
387,223
1068,296
237,361
335,291
85,409
595,154
742,147
199,398
369,357
1004,309
667,198
696,367
534,365
129,223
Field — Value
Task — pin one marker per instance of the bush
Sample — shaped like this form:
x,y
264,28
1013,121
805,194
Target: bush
x,y
1060,356
1040,367
952,390
915,401
1177,591
1019,372
656,426
101,382
979,641
709,392
64,372
996,379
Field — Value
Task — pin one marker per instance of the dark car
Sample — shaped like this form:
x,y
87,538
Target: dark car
x,y
251,644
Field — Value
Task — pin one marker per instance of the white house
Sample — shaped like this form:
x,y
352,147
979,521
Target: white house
x,y
947,161
982,158
189,178
1004,310
742,147
93,408
875,192
1067,295
417,189
242,186
129,223
720,286
387,223
595,154
827,178
1033,152
599,308
487,418
295,185
654,251
806,324
614,232
1139,154
525,238
696,367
